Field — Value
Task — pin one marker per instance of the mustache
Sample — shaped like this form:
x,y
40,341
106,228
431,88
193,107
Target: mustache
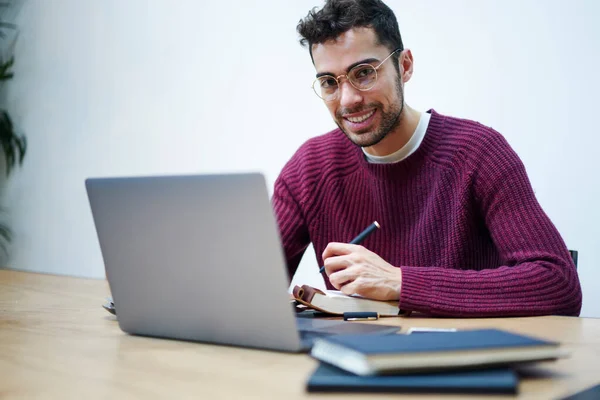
x,y
343,111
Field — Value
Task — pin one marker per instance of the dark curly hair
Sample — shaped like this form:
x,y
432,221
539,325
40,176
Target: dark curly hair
x,y
339,16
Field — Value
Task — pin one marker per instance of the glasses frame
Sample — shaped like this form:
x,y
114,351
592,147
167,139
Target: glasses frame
x,y
315,85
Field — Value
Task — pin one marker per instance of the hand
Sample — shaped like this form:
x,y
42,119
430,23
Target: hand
x,y
352,269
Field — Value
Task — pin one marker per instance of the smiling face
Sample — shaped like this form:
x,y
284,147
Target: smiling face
x,y
366,117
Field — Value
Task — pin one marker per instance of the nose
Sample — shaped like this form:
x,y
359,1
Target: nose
x,y
349,95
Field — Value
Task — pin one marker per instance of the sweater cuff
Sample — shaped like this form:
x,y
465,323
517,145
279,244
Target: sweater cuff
x,y
416,290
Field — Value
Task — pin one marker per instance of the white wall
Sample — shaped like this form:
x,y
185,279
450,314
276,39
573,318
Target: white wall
x,y
154,86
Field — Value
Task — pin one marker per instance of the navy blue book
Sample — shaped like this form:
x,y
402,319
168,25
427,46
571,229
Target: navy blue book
x,y
327,378
468,349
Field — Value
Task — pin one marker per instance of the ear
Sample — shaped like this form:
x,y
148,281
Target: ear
x,y
405,62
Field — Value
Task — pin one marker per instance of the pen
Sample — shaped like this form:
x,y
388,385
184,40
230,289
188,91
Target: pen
x,y
429,330
362,236
358,316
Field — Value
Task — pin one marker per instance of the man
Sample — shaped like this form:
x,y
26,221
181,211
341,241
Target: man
x,y
462,233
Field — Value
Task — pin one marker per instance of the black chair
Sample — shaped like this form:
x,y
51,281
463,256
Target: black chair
x,y
574,256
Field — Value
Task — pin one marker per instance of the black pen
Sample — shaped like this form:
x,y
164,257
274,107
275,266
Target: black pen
x,y
357,316
362,236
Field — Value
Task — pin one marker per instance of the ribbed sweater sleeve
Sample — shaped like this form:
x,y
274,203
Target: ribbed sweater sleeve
x,y
292,226
537,275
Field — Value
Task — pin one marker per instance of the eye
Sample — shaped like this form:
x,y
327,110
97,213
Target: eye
x,y
327,82
363,77
364,71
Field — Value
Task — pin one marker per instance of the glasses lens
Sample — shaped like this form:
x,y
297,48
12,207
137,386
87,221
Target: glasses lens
x,y
326,87
363,76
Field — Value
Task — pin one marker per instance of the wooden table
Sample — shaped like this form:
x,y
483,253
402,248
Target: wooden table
x,y
56,341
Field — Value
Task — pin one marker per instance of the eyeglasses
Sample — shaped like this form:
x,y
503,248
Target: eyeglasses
x,y
362,77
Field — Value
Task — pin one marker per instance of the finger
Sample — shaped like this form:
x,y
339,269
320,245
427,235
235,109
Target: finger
x,y
337,284
337,263
343,277
339,249
351,287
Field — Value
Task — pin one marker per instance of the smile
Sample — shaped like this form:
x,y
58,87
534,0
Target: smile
x,y
361,118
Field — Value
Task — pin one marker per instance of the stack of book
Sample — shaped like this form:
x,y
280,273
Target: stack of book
x,y
468,361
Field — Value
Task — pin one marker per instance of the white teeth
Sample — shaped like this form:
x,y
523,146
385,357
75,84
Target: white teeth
x,y
357,120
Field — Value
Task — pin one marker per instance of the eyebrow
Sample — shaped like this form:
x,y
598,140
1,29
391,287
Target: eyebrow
x,y
365,61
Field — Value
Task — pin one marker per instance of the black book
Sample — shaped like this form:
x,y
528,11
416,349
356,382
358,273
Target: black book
x,y
469,349
327,378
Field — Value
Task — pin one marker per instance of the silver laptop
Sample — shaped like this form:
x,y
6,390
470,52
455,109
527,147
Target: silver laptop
x,y
198,257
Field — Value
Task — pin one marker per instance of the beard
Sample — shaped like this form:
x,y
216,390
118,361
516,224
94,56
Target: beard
x,y
390,120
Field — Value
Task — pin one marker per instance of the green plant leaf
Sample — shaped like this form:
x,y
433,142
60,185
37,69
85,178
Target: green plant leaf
x,y
5,74
5,237
13,145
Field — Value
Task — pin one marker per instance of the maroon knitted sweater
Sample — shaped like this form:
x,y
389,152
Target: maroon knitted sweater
x,y
458,216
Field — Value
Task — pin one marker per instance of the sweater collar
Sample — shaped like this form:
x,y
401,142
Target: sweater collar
x,y
400,169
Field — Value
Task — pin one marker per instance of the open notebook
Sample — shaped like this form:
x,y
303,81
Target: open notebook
x,y
337,303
